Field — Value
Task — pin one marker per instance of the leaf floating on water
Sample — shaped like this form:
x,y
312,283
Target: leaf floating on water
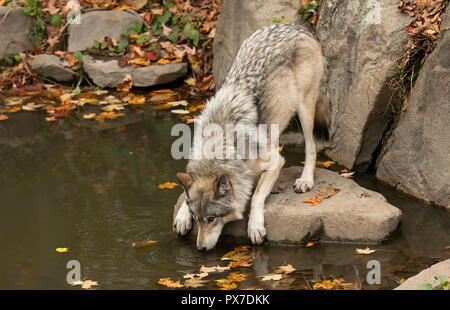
x,y
168,185
272,277
236,277
328,285
213,269
161,97
32,106
113,107
168,282
226,284
237,253
286,269
89,116
62,250
3,117
180,111
178,103
87,284
14,109
241,262
195,282
365,251
143,243
309,244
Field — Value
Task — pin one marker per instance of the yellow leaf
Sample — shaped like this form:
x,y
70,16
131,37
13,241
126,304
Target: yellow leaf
x,y
62,250
14,109
143,243
191,82
280,148
309,244
169,283
168,185
89,116
226,284
126,84
325,164
3,117
195,282
272,276
213,269
287,269
236,277
365,251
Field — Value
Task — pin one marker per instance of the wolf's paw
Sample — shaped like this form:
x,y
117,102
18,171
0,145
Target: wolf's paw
x,y
303,185
183,222
256,230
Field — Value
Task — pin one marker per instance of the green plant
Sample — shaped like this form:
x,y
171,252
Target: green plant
x,y
276,20
33,8
309,11
79,70
444,284
11,61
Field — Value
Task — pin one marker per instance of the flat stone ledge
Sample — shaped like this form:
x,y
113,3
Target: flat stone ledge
x,y
354,214
108,73
427,276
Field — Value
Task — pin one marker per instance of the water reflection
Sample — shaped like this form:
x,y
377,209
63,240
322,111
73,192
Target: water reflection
x,y
94,190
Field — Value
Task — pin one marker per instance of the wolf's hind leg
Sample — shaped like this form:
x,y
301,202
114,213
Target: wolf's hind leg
x,y
306,112
183,221
256,230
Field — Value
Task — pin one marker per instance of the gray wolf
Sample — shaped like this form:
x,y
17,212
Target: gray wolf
x,y
278,72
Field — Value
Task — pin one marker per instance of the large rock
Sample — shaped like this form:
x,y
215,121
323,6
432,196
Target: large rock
x,y
427,276
51,66
354,214
360,50
237,21
108,73
13,28
416,158
94,25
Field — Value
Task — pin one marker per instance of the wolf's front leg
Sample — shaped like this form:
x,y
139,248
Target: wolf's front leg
x,y
183,221
306,181
256,230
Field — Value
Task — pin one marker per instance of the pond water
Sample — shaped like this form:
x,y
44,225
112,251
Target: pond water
x,y
96,192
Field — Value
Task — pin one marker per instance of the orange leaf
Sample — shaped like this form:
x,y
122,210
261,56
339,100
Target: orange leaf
x,y
169,283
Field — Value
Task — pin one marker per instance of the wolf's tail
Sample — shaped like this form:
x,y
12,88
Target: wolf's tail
x,y
322,114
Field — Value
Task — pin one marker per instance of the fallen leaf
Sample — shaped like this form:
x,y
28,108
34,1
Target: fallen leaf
x,y
327,285
213,269
126,84
272,277
180,111
325,164
32,106
178,103
309,244
143,243
3,117
161,97
89,116
14,109
226,284
87,284
170,283
62,250
236,277
113,107
195,282
168,185
347,174
286,269
241,262
365,251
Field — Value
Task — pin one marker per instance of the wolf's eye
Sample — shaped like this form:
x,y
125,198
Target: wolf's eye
x,y
211,219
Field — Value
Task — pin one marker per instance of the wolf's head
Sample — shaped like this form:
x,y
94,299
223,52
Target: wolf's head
x,y
213,202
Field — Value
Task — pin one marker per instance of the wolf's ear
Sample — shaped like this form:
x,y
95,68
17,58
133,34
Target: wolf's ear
x,y
185,179
223,186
